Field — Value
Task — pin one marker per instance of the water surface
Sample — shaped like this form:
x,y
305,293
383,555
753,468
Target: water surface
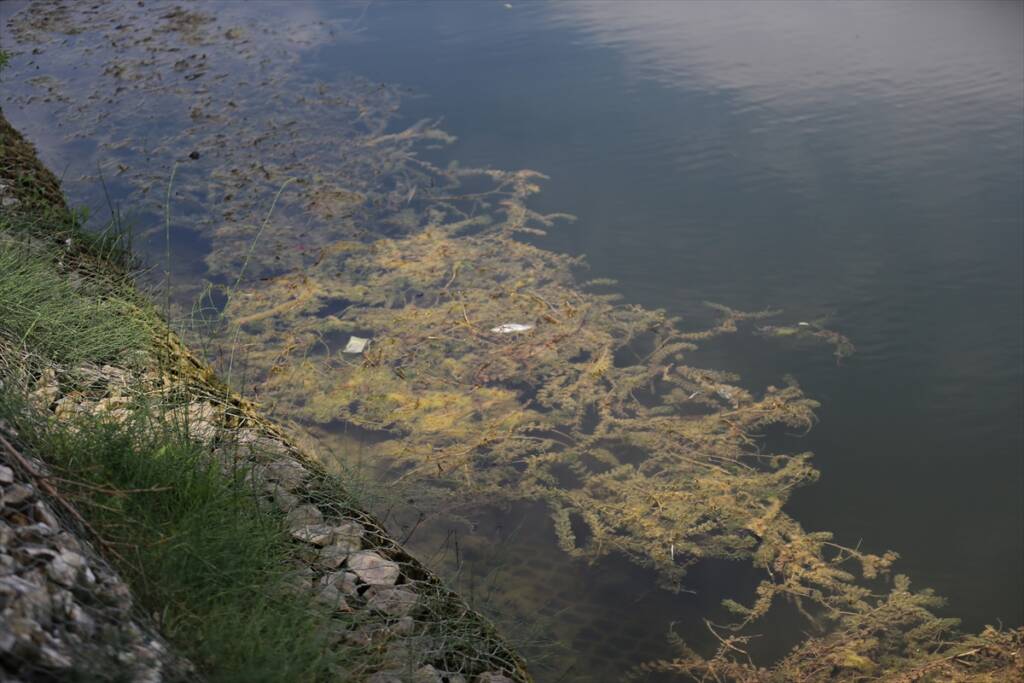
x,y
863,162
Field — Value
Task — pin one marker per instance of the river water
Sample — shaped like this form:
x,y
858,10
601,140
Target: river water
x,y
862,162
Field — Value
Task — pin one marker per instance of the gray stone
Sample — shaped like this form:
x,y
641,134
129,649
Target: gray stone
x,y
303,516
427,674
342,580
493,677
348,583
283,500
47,389
393,601
202,421
373,569
349,535
52,658
81,621
333,556
42,514
35,532
15,494
346,538
62,572
6,474
331,597
288,474
317,534
37,552
72,558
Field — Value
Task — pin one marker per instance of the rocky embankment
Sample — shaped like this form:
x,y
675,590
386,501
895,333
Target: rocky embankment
x,y
63,609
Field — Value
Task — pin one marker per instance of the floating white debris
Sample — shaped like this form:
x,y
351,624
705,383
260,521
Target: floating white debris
x,y
511,328
356,345
803,324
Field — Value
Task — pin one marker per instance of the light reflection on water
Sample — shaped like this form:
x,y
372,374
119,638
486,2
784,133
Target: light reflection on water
x,y
854,159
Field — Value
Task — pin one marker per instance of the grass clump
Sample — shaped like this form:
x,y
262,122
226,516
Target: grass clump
x,y
61,318
213,566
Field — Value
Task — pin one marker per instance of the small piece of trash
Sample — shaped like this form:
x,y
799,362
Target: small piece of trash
x,y
508,5
511,328
356,345
803,324
694,395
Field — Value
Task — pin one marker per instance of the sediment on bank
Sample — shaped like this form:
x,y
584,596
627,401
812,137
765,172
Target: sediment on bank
x,y
91,395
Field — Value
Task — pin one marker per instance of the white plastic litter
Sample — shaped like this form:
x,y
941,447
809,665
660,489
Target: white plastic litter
x,y
803,324
356,345
511,328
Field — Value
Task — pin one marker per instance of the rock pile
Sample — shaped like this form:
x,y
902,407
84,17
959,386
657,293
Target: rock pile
x,y
64,611
354,568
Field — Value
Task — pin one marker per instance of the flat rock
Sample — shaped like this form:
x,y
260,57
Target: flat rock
x,y
304,516
343,581
333,556
16,493
373,569
393,601
317,534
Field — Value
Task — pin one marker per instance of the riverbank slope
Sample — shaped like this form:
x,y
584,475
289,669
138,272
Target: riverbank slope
x,y
128,463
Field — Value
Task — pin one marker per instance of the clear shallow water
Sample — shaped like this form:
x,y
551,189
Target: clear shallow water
x,y
863,161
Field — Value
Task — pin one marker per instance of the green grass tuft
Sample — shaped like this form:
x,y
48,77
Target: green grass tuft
x,y
199,551
63,319
215,567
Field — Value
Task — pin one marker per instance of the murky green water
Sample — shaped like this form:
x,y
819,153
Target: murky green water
x,y
860,162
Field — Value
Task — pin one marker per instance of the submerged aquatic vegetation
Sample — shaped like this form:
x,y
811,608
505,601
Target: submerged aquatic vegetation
x,y
841,344
594,410
892,637
511,412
